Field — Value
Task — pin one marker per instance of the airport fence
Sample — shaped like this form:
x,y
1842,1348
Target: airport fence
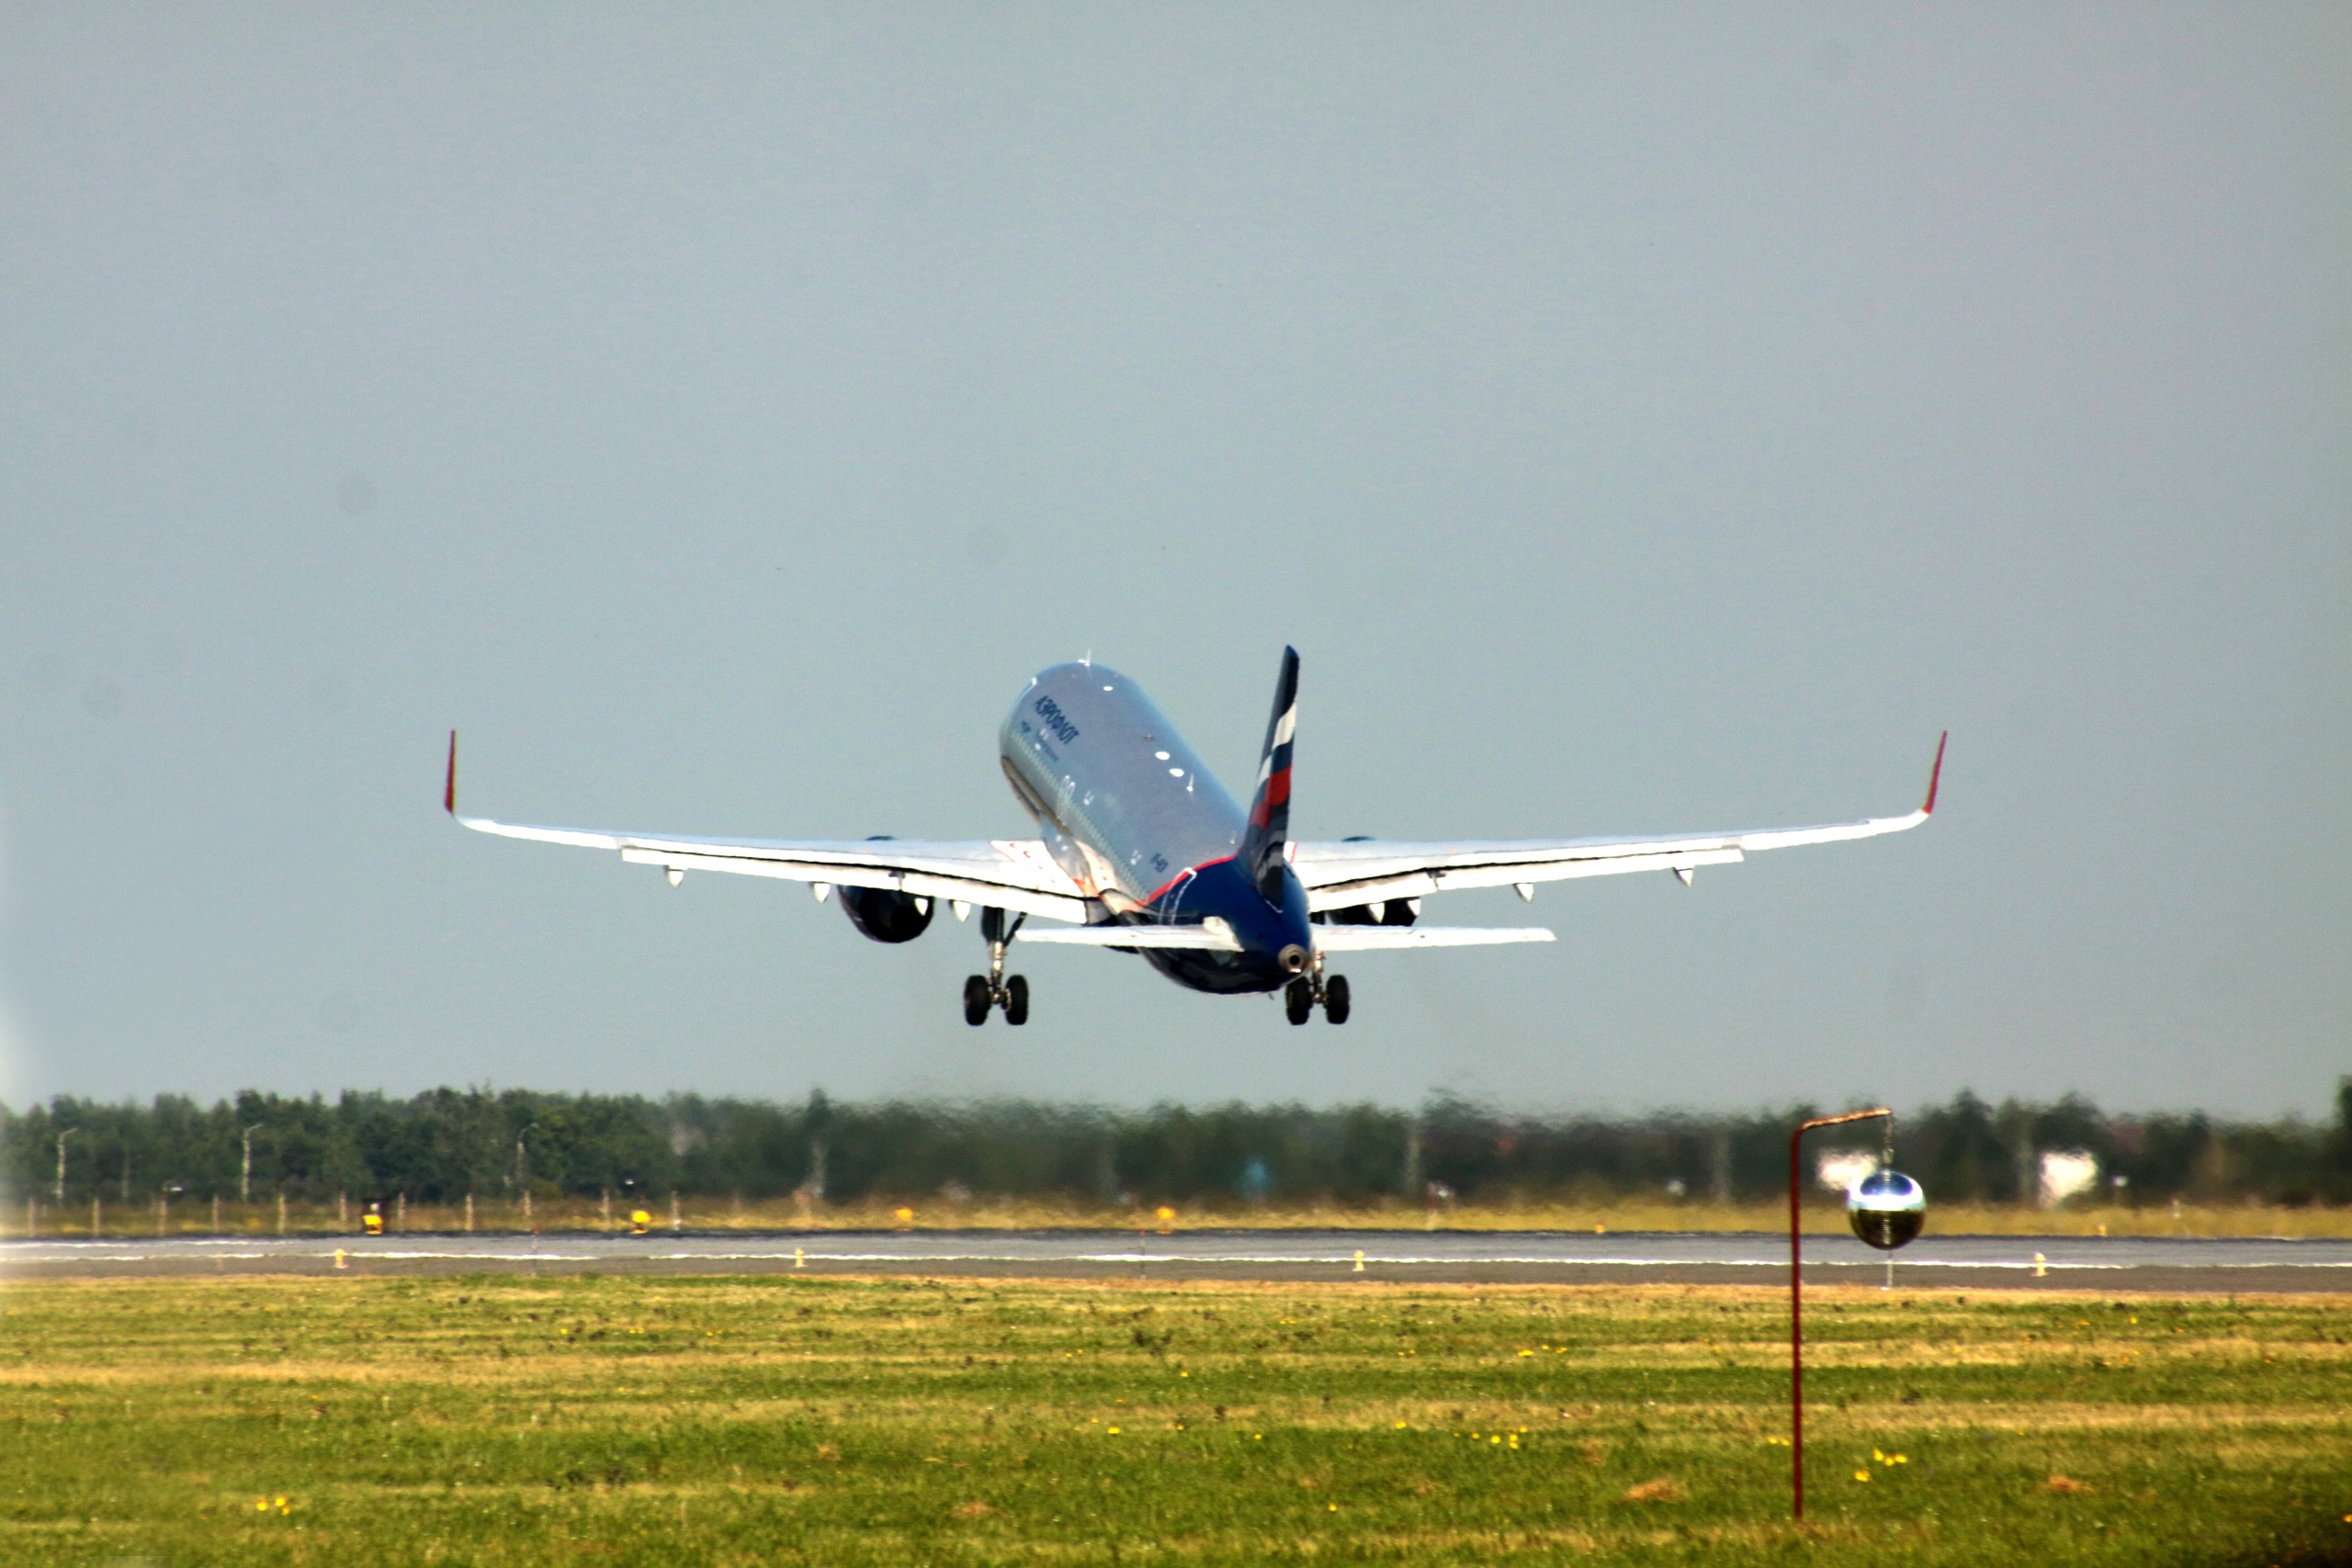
x,y
519,1156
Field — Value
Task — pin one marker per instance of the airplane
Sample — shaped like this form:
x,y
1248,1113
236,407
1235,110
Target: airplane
x,y
1140,849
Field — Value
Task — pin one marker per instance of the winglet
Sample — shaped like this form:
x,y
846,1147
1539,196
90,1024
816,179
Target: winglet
x,y
449,790
1935,774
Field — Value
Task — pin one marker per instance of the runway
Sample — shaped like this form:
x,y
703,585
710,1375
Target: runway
x,y
2007,1262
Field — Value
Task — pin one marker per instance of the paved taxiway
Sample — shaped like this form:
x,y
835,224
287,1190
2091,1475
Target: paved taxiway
x,y
2095,1263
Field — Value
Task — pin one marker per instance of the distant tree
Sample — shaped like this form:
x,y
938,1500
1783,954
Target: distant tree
x,y
445,1144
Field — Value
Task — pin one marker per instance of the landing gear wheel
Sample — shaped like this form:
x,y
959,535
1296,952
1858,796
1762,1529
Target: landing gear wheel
x,y
1335,999
1298,999
977,1000
1016,1000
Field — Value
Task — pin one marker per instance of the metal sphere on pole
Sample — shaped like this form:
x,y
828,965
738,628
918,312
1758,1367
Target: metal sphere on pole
x,y
1886,1217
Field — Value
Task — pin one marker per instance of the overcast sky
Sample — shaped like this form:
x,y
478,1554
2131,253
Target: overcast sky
x,y
1639,418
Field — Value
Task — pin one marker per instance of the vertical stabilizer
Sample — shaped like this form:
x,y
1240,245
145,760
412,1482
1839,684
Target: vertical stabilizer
x,y
1269,829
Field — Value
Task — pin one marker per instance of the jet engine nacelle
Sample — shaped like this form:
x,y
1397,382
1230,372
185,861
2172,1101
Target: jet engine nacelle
x,y
1391,912
1387,912
882,914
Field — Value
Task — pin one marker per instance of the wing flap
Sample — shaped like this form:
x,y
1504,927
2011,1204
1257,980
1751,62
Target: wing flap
x,y
1356,871
837,873
1402,878
1012,873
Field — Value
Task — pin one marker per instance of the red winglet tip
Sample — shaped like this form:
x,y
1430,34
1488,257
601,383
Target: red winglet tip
x,y
449,790
1934,776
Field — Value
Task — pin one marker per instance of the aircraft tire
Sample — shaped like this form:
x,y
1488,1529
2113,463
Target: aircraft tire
x,y
1335,999
977,1000
1016,1000
1298,1000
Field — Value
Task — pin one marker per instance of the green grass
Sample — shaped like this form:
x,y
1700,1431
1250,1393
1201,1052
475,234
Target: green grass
x,y
512,1420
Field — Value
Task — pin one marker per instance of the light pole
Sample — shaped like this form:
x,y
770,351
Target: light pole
x,y
1796,1300
246,1171
68,1132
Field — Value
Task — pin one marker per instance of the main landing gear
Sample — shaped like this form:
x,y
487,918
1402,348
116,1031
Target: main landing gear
x,y
996,988
1301,995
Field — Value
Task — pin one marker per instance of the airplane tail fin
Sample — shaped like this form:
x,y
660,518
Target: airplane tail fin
x,y
1269,830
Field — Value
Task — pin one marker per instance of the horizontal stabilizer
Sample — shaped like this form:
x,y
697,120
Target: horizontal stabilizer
x,y
1363,939
1212,935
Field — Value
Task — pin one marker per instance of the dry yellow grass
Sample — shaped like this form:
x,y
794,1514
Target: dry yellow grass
x,y
197,1218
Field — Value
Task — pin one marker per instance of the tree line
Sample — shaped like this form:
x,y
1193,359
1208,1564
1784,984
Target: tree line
x,y
442,1146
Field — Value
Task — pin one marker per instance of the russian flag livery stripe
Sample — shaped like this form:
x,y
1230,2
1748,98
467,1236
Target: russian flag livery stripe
x,y
1269,829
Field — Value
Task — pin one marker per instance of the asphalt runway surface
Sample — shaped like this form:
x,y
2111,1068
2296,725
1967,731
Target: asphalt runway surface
x,y
2169,1265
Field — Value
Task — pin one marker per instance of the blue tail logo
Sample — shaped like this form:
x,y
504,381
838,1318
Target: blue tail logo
x,y
1269,829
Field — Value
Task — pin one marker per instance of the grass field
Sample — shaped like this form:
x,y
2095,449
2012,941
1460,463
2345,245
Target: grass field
x,y
196,1217
347,1422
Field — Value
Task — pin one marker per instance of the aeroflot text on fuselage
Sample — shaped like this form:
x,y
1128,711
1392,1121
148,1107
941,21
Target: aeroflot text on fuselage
x,y
1050,711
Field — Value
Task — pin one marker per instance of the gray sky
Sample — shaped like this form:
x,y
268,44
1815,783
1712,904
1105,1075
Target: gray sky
x,y
1639,419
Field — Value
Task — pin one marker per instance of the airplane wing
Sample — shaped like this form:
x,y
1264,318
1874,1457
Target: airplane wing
x,y
1368,871
1009,874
